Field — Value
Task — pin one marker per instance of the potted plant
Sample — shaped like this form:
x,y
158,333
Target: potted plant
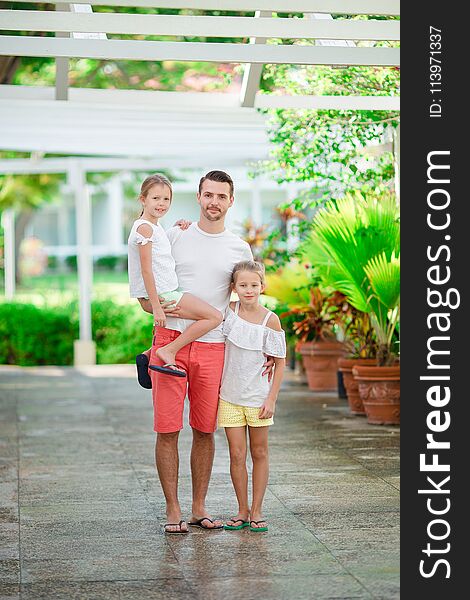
x,y
355,245
313,315
289,287
317,341
361,347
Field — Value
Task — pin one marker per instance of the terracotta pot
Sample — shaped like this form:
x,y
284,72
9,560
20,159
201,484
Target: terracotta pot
x,y
321,364
345,365
379,388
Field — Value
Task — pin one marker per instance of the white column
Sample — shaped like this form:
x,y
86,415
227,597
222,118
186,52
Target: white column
x,y
84,347
8,224
115,207
256,206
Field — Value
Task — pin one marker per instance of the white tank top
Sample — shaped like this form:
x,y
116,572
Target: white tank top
x,y
163,263
246,347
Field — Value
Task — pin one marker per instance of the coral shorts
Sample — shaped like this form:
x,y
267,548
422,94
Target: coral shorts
x,y
204,363
234,415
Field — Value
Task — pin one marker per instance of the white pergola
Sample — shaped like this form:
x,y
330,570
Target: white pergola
x,y
152,130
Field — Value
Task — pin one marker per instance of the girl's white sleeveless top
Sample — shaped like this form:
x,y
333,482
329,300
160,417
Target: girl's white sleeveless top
x,y
246,345
163,263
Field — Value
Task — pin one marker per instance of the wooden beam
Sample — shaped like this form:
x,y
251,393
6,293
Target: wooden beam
x,y
194,51
341,7
193,26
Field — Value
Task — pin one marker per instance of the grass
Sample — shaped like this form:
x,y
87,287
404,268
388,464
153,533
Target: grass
x,y
57,289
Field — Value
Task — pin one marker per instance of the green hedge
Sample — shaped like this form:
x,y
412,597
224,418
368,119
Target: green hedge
x,y
30,335
33,336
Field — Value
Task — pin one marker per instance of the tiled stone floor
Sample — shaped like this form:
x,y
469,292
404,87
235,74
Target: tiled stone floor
x,y
81,508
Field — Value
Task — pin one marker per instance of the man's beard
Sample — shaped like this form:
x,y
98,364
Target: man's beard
x,y
213,217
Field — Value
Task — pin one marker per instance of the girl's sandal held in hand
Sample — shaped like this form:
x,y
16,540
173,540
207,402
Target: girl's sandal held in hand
x,y
169,369
142,362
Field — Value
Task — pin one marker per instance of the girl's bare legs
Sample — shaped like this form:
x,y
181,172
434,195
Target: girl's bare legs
x,y
260,457
206,316
236,437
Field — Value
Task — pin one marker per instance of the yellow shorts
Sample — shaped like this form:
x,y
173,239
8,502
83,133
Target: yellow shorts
x,y
234,415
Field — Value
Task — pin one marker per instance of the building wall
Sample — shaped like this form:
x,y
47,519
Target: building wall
x,y
113,215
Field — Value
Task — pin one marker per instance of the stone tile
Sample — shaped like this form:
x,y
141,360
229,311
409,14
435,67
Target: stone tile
x,y
9,571
9,591
9,544
330,489
78,511
92,507
67,547
347,521
105,528
9,493
365,539
9,514
8,444
8,470
343,504
307,587
161,565
384,586
161,589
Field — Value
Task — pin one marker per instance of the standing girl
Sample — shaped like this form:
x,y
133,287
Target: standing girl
x,y
152,275
247,399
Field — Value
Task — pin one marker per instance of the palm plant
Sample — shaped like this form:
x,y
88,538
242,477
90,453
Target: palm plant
x,y
355,247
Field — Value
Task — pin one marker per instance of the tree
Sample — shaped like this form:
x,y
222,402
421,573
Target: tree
x,y
25,194
326,148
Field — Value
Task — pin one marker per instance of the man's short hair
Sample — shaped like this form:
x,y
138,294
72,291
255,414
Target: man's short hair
x,y
219,176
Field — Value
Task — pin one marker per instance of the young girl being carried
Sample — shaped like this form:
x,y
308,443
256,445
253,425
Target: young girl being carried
x,y
152,275
247,399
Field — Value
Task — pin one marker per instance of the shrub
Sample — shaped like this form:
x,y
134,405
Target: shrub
x,y
36,336
107,263
120,331
30,335
52,262
71,262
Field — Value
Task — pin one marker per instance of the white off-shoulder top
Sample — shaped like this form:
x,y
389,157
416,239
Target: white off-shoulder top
x,y
246,347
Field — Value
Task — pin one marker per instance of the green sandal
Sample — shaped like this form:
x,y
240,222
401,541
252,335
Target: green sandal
x,y
258,528
236,527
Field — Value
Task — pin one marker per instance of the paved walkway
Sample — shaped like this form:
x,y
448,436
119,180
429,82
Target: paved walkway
x,y
81,507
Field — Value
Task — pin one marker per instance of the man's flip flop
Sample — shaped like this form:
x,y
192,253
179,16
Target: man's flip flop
x,y
165,369
236,527
142,362
199,524
258,528
175,525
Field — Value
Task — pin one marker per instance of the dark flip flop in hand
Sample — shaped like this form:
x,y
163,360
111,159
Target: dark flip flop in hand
x,y
142,362
168,370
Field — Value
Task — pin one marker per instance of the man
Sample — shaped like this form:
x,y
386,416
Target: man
x,y
205,255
